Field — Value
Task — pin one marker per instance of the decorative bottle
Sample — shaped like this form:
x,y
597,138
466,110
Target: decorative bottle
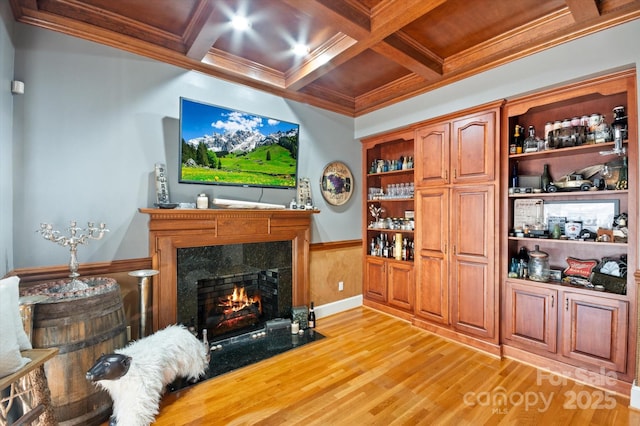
x,y
311,318
531,143
545,179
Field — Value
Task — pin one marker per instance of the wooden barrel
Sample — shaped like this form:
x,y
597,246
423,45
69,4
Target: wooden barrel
x,y
82,328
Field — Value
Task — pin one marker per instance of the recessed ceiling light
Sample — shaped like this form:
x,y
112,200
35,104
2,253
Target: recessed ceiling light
x,y
301,49
240,23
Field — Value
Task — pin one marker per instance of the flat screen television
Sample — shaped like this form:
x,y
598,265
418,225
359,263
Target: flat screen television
x,y
221,146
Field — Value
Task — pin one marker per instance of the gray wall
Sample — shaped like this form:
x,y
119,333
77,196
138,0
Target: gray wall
x,y
93,122
6,140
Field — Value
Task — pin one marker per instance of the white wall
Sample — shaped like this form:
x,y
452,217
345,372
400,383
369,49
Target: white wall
x,y
6,140
95,120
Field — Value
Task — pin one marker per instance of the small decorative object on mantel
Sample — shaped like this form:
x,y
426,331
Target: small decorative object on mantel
x,y
304,195
162,188
75,237
336,183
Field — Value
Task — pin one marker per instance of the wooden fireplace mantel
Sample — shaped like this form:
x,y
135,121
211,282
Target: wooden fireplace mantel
x,y
171,229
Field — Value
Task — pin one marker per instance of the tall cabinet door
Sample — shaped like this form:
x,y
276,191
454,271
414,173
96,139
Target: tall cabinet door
x,y
432,295
473,152
432,155
473,291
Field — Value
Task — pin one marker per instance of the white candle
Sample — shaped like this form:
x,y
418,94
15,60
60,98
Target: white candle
x,y
295,327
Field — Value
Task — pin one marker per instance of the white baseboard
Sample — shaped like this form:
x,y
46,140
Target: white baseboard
x,y
339,306
635,396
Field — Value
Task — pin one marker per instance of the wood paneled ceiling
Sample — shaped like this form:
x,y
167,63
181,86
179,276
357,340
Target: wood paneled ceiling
x,y
364,54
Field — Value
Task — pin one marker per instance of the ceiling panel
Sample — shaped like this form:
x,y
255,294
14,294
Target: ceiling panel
x,y
363,54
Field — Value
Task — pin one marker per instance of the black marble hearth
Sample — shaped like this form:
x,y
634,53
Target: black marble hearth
x,y
239,351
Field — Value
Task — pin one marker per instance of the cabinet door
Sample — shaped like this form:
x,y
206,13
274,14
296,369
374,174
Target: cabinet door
x,y
431,161
473,148
473,288
400,284
594,330
431,258
375,283
531,316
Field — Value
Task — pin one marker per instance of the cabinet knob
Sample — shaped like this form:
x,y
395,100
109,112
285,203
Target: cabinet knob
x,y
552,300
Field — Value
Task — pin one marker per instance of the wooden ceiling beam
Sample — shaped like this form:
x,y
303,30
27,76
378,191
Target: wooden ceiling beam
x,y
583,10
202,32
321,61
390,16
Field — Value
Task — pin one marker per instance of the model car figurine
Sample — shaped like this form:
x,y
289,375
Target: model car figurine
x,y
570,182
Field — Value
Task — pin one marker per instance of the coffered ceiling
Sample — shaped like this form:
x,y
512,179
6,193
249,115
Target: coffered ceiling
x,y
363,54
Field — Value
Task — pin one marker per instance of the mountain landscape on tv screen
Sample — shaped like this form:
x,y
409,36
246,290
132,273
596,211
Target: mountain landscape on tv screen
x,y
242,157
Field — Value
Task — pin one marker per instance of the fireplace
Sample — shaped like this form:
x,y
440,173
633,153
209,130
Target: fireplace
x,y
233,289
176,232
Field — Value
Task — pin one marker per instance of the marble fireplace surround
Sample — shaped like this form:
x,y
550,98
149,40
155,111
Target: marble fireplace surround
x,y
171,229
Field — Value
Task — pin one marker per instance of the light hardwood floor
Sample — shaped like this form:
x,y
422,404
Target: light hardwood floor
x,y
373,369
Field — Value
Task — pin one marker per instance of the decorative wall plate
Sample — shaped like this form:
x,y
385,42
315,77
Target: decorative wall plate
x,y
336,183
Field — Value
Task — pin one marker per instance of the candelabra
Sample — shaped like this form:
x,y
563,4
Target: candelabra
x,y
75,237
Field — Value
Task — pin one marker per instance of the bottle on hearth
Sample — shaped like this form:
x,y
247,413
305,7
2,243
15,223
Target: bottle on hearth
x,y
311,319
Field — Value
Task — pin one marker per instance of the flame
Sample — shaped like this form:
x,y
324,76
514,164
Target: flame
x,y
238,300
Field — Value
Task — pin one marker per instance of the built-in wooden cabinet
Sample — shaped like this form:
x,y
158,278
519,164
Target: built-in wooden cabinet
x,y
456,207
564,322
388,173
457,283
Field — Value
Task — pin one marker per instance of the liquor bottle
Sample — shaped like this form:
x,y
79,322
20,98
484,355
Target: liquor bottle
x,y
517,140
623,176
531,143
405,249
515,181
545,179
311,319
385,247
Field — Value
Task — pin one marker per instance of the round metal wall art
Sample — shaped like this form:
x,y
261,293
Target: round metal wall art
x,y
336,183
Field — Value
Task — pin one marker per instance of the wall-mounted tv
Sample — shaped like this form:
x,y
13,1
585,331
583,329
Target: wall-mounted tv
x,y
221,146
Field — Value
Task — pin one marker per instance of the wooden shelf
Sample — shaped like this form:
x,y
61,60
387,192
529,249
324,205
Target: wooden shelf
x,y
565,286
563,152
392,172
565,194
580,242
37,357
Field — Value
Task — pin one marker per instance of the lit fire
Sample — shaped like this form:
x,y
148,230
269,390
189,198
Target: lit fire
x,y
238,300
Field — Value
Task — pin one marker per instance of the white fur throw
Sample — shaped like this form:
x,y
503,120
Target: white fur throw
x,y
156,361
